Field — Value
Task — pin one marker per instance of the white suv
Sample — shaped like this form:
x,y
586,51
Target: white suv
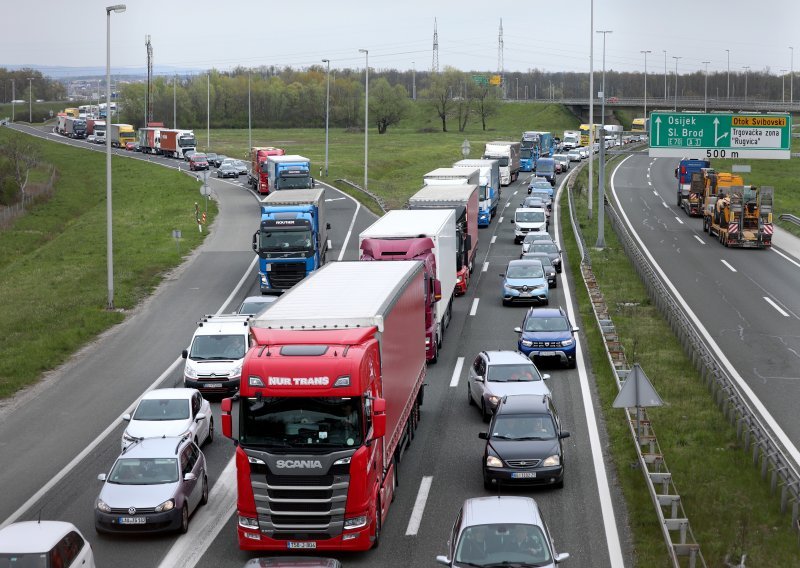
x,y
214,357
44,543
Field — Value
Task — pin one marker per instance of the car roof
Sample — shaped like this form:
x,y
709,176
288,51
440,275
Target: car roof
x,y
33,536
502,509
260,299
169,393
545,313
528,209
524,262
164,447
506,357
523,404
233,324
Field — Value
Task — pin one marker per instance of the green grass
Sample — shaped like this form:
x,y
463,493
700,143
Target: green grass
x,y
728,505
53,259
399,158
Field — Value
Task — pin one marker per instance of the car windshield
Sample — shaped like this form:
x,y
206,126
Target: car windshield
x,y
533,202
524,427
227,168
547,264
144,471
544,247
297,422
547,324
285,240
532,270
529,216
518,372
218,347
542,194
199,157
545,185
29,560
162,409
502,545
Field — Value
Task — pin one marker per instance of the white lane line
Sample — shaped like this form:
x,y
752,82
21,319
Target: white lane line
x,y
419,506
515,192
494,239
474,308
485,266
664,203
655,193
678,219
349,231
797,264
508,204
457,372
500,220
699,240
776,306
725,262
335,199
650,183
188,549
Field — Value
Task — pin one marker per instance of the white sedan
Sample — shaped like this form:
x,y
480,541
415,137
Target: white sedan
x,y
170,412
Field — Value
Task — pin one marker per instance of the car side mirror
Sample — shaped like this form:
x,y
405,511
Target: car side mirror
x,y
327,225
189,477
546,377
564,435
511,221
574,329
101,477
200,416
446,561
126,417
480,378
559,557
483,435
185,353
502,275
518,329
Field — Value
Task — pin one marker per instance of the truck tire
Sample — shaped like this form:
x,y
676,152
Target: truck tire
x,y
680,200
376,538
435,357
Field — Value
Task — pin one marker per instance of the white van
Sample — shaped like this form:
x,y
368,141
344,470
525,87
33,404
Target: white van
x,y
528,220
45,543
215,355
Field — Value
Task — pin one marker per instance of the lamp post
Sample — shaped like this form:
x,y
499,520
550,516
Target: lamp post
x,y
30,100
591,106
665,74
117,8
327,109
413,81
601,185
675,57
791,75
174,103
783,85
208,112
746,69
645,51
729,73
603,101
13,98
249,115
366,119
705,90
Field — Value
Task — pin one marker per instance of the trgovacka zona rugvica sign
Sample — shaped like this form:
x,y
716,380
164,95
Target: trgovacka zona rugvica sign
x,y
719,135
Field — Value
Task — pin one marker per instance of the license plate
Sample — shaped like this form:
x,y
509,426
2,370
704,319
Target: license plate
x,y
523,475
546,354
291,544
213,385
525,294
132,520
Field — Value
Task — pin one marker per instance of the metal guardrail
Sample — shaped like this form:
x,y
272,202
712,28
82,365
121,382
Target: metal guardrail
x,y
789,217
377,198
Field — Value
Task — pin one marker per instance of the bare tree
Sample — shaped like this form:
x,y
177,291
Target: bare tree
x,y
23,157
486,103
440,93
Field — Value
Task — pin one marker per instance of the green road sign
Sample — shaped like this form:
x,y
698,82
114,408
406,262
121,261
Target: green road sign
x,y
698,135
480,80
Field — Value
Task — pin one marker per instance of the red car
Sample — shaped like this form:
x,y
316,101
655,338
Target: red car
x,y
198,162
131,146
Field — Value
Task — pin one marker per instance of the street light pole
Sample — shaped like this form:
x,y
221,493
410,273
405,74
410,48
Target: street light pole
x,y
13,97
591,107
174,102
645,83
665,74
746,69
208,112
705,90
675,57
783,85
601,183
366,119
791,75
327,110
30,100
118,8
413,81
249,114
729,73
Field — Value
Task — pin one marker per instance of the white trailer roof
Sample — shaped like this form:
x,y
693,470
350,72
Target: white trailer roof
x,y
474,163
294,197
410,223
288,158
341,295
448,172
459,193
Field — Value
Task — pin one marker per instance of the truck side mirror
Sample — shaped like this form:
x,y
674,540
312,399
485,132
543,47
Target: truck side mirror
x,y
185,353
255,241
230,419
327,226
378,418
313,183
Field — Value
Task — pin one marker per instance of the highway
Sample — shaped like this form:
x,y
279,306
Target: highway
x,y
747,300
52,463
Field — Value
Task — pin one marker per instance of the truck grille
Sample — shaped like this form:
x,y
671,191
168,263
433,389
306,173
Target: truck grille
x,y
284,275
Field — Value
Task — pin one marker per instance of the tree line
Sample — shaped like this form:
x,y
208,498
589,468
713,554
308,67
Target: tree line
x,y
16,85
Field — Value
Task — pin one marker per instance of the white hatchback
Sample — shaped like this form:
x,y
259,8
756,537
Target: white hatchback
x,y
44,543
171,413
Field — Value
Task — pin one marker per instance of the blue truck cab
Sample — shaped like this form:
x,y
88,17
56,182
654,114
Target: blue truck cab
x,y
683,173
488,187
292,239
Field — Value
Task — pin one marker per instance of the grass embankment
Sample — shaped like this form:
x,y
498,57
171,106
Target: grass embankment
x,y
399,158
53,259
729,507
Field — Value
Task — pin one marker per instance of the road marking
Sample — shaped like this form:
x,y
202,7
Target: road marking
x,y
725,262
699,240
776,306
678,219
797,264
485,266
349,231
517,191
655,193
650,183
664,203
419,506
336,199
500,220
474,308
494,239
508,203
457,372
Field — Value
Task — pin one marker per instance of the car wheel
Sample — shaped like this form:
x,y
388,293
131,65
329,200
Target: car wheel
x,y
560,484
505,302
204,494
469,395
210,437
376,538
487,484
184,528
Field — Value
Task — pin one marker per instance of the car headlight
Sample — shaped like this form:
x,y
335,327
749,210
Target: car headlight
x,y
355,522
190,372
526,342
492,461
128,438
459,280
551,461
567,342
167,505
493,399
103,506
236,372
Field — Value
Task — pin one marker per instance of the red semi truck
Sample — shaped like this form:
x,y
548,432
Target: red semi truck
x,y
257,178
334,381
464,200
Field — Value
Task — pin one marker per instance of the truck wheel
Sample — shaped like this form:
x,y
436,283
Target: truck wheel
x,y
435,357
680,201
376,538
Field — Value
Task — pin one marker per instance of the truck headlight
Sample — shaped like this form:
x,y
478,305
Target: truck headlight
x,y
355,523
492,461
248,522
552,461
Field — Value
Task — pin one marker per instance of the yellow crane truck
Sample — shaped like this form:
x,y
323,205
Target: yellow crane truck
x,y
738,215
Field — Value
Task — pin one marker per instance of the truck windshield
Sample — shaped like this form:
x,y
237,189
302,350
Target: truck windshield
x,y
482,192
218,347
185,141
526,152
301,422
285,240
502,159
294,181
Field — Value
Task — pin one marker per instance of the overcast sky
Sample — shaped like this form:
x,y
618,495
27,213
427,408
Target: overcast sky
x,y
551,35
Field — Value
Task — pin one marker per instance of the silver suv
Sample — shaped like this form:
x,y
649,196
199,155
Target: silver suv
x,y
153,486
495,374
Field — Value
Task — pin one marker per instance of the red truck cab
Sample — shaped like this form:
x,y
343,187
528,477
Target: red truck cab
x,y
257,178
